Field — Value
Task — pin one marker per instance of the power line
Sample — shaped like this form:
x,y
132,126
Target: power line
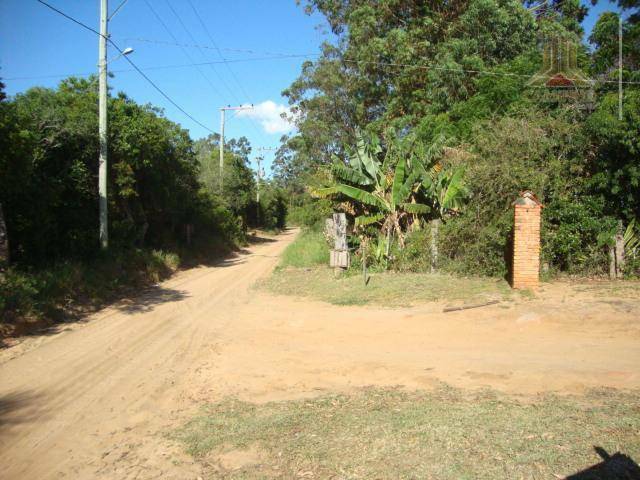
x,y
215,46
159,67
184,27
233,75
136,68
287,56
209,47
188,65
464,70
186,54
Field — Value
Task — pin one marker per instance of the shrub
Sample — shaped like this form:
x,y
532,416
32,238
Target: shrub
x,y
309,212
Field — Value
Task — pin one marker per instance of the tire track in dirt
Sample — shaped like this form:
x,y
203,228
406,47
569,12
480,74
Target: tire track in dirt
x,y
118,373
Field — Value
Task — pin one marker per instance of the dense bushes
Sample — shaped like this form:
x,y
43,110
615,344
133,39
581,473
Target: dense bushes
x,y
46,294
308,212
445,71
48,177
158,190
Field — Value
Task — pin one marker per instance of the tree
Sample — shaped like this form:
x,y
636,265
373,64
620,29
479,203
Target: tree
x,y
615,172
48,175
239,185
397,63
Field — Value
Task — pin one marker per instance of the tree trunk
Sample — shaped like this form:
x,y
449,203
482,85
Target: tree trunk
x,y
435,231
4,241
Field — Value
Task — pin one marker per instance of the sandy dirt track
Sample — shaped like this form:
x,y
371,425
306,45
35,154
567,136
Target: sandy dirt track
x,y
95,401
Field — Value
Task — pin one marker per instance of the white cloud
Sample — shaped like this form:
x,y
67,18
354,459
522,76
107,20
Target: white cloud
x,y
269,114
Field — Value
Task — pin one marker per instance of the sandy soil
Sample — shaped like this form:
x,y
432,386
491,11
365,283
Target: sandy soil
x,y
95,399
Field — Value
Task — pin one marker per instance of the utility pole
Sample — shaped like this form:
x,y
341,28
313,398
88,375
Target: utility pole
x,y
222,112
259,177
620,67
102,126
260,172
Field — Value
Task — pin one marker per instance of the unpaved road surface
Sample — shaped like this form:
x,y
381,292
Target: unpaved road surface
x,y
97,400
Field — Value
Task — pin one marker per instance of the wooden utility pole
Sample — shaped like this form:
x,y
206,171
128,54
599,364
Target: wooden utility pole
x,y
259,174
222,112
260,171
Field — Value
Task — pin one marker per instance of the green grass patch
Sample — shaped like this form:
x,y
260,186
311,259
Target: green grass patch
x,y
386,289
308,249
444,434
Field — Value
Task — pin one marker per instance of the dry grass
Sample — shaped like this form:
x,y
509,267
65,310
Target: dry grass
x,y
389,433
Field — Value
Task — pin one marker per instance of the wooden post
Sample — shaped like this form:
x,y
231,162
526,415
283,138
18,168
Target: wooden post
x,y
339,257
526,241
435,233
189,232
340,226
612,262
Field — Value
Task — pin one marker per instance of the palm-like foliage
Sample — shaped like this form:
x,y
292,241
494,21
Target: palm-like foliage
x,y
397,187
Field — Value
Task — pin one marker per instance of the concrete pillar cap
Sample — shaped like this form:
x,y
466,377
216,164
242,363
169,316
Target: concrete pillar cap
x,y
527,197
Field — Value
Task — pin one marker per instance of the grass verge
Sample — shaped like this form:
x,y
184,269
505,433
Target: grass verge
x,y
386,289
388,433
309,248
303,272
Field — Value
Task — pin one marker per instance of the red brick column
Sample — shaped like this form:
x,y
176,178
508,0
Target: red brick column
x,y
526,242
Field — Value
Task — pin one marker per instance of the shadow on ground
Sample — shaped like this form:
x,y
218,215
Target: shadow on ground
x,y
613,467
129,300
150,299
17,408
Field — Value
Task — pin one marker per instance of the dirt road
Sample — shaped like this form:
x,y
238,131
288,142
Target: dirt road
x,y
88,402
96,401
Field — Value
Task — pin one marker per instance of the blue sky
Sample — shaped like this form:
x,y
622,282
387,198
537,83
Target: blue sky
x,y
36,42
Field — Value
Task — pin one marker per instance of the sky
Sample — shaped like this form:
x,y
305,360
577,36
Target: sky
x,y
37,42
243,38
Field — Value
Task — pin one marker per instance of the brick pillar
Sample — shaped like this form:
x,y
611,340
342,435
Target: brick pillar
x,y
526,241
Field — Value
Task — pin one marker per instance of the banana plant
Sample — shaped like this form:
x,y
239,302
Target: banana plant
x,y
394,188
632,238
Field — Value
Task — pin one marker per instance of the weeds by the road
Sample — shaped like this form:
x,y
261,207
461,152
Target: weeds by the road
x,y
304,271
387,433
309,248
31,298
388,289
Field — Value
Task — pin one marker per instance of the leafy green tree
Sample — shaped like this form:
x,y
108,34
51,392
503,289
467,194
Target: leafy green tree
x,y
615,172
238,191
604,38
48,175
